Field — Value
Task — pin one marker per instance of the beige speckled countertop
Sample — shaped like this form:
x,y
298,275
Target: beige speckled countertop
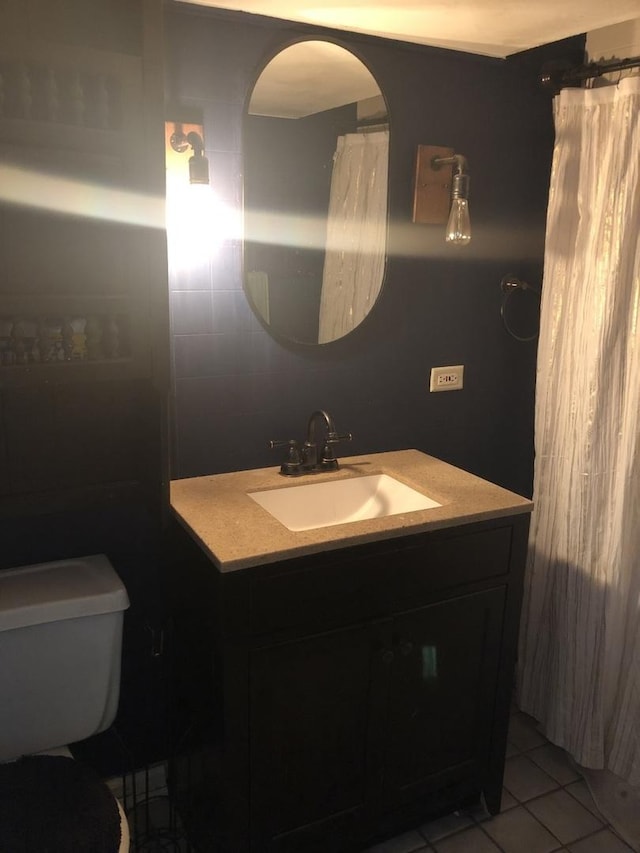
x,y
238,533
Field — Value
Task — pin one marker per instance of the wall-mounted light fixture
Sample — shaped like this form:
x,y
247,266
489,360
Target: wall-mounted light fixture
x,y
442,194
182,138
197,220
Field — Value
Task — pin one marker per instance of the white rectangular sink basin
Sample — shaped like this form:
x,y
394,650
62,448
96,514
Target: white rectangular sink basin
x,y
325,503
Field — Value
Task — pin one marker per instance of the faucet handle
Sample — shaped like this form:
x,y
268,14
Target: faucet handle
x,y
334,438
328,462
293,461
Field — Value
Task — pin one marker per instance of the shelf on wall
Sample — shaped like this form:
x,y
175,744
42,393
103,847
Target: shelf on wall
x,y
65,338
84,374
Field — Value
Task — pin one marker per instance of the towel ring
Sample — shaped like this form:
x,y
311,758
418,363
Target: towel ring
x,y
509,285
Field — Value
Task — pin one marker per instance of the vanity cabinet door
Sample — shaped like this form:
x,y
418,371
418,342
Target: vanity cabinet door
x,y
443,683
311,723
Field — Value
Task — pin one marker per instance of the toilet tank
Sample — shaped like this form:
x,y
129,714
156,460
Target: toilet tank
x,y
60,649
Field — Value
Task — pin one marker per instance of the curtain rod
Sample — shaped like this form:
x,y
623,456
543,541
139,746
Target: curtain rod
x,y
558,74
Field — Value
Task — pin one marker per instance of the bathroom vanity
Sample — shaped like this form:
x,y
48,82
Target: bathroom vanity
x,y
338,684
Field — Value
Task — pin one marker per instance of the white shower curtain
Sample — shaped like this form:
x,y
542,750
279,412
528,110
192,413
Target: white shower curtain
x,y
356,233
579,660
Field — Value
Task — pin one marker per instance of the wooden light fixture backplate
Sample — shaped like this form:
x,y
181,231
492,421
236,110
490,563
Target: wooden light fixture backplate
x,y
432,187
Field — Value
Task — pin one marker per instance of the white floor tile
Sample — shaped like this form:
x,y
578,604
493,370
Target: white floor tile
x,y
446,825
508,802
512,749
555,762
580,790
526,780
516,831
466,841
478,812
523,732
564,816
601,842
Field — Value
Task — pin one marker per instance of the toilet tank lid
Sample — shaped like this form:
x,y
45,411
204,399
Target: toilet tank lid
x,y
65,589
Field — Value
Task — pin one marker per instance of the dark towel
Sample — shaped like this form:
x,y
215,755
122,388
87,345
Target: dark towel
x,y
52,804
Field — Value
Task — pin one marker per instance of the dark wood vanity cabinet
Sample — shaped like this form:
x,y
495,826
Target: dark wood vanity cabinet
x,y
371,717
349,695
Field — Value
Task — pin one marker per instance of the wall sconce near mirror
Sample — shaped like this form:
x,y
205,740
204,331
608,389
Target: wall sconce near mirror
x,y
197,220
441,195
182,138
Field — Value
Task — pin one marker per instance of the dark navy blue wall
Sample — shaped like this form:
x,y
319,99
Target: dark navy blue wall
x,y
236,387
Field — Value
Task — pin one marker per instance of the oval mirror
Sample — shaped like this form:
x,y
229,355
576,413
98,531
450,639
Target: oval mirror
x,y
316,151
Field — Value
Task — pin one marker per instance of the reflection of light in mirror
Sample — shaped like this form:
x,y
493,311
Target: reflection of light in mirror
x,y
305,232
79,198
331,77
281,229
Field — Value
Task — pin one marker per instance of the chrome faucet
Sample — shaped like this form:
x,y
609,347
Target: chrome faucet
x,y
307,459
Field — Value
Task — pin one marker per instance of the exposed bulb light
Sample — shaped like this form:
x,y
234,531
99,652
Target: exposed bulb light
x,y
441,192
459,225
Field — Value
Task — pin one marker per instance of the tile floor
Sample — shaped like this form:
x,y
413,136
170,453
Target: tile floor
x,y
546,807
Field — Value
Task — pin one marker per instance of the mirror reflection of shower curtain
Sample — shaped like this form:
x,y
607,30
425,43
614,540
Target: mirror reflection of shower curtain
x,y
356,233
